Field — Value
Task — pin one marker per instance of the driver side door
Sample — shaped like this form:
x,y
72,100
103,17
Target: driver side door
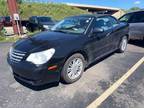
x,y
101,42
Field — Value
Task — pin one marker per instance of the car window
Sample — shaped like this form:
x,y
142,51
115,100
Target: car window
x,y
113,21
44,19
106,23
125,18
137,18
76,25
33,20
7,19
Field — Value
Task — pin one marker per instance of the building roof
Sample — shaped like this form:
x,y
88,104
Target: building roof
x,y
93,6
90,15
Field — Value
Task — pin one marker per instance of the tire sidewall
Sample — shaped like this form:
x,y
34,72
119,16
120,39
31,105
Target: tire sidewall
x,y
64,75
121,43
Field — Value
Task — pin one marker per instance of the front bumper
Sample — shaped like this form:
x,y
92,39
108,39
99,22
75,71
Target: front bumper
x,y
34,75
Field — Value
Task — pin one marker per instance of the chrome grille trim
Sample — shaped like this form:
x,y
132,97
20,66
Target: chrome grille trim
x,y
16,55
13,59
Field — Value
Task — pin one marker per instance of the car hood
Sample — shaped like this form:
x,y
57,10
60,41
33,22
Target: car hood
x,y
43,41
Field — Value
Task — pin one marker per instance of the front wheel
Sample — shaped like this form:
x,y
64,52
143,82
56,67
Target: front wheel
x,y
123,44
73,68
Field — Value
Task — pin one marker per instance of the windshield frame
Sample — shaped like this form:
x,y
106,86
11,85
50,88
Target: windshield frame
x,y
90,18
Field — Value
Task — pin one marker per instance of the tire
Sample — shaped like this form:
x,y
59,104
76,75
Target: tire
x,y
123,44
78,62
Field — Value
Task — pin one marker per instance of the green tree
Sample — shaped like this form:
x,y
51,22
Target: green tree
x,y
134,9
3,8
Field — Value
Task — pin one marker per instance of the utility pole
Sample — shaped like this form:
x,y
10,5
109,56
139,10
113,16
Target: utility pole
x,y
14,13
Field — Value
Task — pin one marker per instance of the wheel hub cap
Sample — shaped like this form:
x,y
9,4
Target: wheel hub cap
x,y
75,68
124,44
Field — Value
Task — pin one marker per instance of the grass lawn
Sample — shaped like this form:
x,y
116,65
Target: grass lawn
x,y
9,39
15,38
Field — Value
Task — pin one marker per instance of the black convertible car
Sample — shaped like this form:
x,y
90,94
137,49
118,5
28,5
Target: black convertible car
x,y
66,50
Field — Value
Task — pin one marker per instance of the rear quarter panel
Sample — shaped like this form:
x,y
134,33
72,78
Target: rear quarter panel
x,y
119,31
136,30
123,29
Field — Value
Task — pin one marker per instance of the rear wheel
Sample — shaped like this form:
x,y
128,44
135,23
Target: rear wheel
x,y
73,68
123,44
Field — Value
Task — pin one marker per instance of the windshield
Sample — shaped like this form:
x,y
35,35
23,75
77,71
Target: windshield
x,y
44,19
77,25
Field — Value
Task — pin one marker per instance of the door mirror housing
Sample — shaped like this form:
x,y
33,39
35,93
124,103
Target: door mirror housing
x,y
98,30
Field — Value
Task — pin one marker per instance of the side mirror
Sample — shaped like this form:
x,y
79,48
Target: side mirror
x,y
98,30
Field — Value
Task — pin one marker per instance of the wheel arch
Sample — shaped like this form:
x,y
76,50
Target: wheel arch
x,y
83,53
128,37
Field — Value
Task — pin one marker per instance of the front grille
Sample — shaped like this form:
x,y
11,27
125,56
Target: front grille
x,y
16,55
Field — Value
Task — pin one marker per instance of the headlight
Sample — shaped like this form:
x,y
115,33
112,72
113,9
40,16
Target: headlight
x,y
41,57
46,26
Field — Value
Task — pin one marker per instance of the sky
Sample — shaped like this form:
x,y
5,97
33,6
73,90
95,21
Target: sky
x,y
124,4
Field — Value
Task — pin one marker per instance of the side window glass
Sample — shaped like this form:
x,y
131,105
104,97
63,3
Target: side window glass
x,y
138,17
101,23
31,20
125,18
113,22
106,23
36,20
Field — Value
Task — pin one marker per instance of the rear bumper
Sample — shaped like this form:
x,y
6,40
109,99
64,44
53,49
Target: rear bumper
x,y
33,75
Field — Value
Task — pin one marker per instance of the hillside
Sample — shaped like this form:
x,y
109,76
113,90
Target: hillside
x,y
57,11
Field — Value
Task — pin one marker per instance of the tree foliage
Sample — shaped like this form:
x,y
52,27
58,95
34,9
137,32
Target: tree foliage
x,y
3,8
133,9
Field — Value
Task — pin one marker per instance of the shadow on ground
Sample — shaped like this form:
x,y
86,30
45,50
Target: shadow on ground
x,y
139,43
38,88
100,60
